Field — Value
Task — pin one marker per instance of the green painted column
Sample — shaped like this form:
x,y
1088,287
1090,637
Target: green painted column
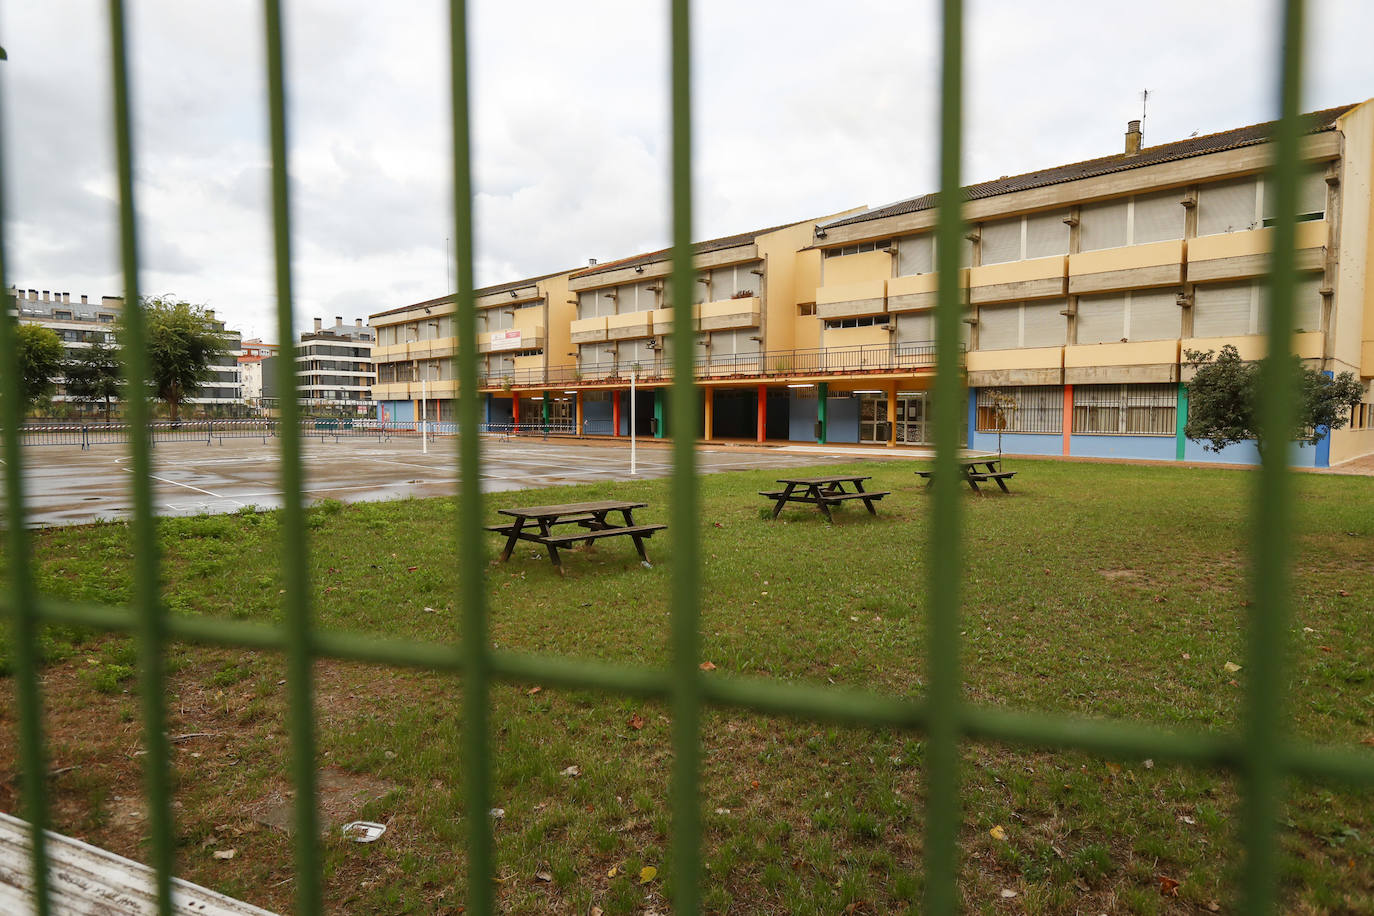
x,y
659,397
822,391
1181,441
544,412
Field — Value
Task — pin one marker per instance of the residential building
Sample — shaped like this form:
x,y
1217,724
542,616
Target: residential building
x,y
1084,288
334,367
79,324
222,390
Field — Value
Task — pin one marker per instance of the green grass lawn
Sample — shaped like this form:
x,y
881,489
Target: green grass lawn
x,y
1099,590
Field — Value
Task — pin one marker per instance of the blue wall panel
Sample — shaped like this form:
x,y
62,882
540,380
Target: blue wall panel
x,y
1019,443
1154,448
596,417
398,411
801,418
842,419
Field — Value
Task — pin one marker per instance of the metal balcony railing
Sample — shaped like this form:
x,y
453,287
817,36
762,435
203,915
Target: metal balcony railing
x,y
897,357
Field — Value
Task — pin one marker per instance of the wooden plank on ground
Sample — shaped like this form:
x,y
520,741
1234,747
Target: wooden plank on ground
x,y
89,881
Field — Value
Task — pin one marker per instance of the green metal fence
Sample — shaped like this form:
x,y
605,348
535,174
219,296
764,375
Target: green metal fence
x,y
1262,754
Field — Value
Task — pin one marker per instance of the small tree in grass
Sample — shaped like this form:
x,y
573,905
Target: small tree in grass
x,y
1222,400
93,376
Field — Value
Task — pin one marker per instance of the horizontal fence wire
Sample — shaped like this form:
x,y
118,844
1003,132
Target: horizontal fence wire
x,y
1262,753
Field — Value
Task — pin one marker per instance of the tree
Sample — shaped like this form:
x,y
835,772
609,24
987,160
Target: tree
x,y
183,342
94,375
1222,400
40,353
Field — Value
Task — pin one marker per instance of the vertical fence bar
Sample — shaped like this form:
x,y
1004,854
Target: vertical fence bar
x,y
942,651
1276,409
151,629
300,715
24,647
471,544
684,796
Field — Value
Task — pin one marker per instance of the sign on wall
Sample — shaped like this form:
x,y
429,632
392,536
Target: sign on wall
x,y
505,340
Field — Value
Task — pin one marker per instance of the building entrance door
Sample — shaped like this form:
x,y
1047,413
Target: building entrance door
x,y
912,417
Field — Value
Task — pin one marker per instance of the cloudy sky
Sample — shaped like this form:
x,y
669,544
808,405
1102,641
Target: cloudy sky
x,y
803,108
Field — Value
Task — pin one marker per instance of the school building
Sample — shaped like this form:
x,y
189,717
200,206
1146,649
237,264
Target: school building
x,y
1084,287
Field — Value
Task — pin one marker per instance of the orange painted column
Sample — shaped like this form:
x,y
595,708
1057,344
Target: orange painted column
x,y
515,410
577,398
615,413
763,412
1068,416
708,412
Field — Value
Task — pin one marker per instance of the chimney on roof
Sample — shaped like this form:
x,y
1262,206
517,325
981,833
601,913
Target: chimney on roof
x,y
1132,138
83,300
33,295
66,298
210,313
591,262
357,322
45,296
338,321
319,324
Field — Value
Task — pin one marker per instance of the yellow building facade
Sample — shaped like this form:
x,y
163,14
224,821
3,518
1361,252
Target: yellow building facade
x,y
1085,285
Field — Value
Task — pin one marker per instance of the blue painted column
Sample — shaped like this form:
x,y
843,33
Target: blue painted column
x,y
972,433
1324,446
822,393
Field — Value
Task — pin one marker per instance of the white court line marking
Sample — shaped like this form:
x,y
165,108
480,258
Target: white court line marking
x,y
177,483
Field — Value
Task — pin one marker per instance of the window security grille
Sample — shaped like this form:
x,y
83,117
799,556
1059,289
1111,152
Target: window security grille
x,y
1125,410
1032,409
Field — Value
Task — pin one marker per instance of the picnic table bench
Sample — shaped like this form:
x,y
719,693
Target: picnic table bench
x,y
969,468
537,524
823,492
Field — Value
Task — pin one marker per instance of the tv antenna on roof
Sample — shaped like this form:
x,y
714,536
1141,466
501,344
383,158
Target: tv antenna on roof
x,y
1144,99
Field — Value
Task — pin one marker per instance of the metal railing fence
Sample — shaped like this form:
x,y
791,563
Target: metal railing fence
x,y
1262,753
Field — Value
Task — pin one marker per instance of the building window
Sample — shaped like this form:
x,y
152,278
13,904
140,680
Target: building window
x,y
1125,410
1028,324
806,308
865,322
1035,409
858,248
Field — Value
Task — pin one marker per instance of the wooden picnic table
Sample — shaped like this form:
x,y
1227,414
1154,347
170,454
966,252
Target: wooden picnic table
x,y
969,467
823,492
537,524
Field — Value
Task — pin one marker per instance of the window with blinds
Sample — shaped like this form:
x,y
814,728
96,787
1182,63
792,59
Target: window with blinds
x,y
1103,225
1032,409
915,327
1307,303
1236,309
1021,324
916,254
1157,217
1224,309
1228,206
1125,410
1001,240
1102,318
1043,323
1311,198
999,327
636,352
1047,234
1153,314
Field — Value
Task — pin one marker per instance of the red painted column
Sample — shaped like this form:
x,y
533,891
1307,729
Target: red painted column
x,y
615,413
763,411
1068,416
515,409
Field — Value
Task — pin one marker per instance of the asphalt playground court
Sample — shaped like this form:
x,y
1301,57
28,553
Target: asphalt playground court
x,y
67,486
